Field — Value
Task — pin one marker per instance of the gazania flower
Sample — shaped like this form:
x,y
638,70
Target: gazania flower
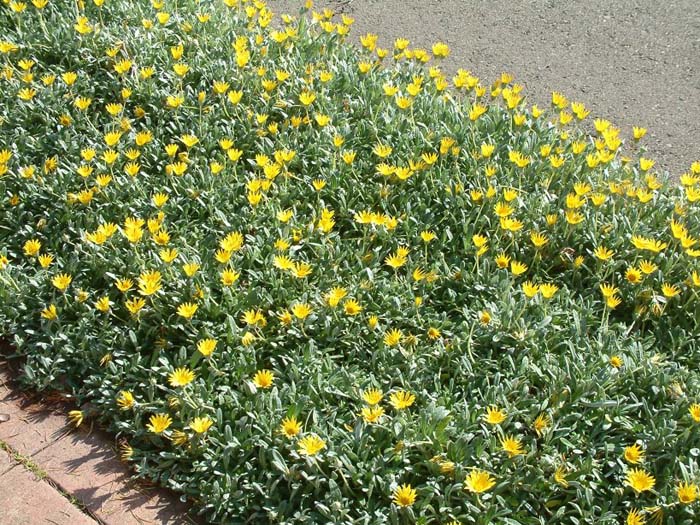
x,y
187,310
125,400
511,445
181,377
494,416
201,424
290,427
694,411
263,378
639,480
401,399
634,454
159,423
76,417
372,396
670,290
687,492
206,347
62,281
478,481
404,495
301,310
635,517
310,445
372,414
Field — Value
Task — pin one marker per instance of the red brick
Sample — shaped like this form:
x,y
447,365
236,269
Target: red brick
x,y
26,500
85,466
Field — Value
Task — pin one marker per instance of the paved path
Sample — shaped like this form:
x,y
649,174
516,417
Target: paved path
x,y
635,62
51,473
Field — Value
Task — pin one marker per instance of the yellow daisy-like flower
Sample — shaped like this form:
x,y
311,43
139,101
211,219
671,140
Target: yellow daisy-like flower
x,y
494,416
125,400
372,414
639,480
401,399
635,517
404,495
310,445
478,481
201,424
670,290
687,492
290,427
187,310
159,423
301,310
181,377
373,396
206,347
263,378
634,454
694,411
62,281
603,253
512,446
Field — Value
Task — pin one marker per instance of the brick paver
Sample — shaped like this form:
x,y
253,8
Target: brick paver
x,y
81,462
26,500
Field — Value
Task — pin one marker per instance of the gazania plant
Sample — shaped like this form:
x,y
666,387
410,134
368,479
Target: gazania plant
x,y
305,281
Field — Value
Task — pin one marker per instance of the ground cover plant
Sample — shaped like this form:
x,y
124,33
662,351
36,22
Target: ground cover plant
x,y
308,282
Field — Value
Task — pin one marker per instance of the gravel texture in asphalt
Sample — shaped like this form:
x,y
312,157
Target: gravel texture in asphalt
x,y
634,62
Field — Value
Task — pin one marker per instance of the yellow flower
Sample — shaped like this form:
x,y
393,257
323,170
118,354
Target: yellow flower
x,y
633,275
608,290
45,260
511,445
518,268
603,253
372,396
639,480
634,454
478,481
647,267
201,424
494,416
181,377
372,414
670,290
638,132
530,289
62,281
301,310
548,290
159,423
352,307
404,495
125,400
76,417
187,310
103,304
310,445
694,411
32,247
634,517
613,302
401,399
149,282
687,492
49,312
393,337
263,378
540,424
206,347
290,427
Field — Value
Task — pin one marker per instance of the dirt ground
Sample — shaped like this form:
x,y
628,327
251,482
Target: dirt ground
x,y
634,62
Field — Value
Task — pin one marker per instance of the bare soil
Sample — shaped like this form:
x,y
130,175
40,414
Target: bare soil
x,y
634,62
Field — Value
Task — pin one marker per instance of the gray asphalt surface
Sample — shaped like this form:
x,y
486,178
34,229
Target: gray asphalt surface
x,y
634,62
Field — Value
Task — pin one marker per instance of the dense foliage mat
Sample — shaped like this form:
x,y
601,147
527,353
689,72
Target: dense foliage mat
x,y
308,282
